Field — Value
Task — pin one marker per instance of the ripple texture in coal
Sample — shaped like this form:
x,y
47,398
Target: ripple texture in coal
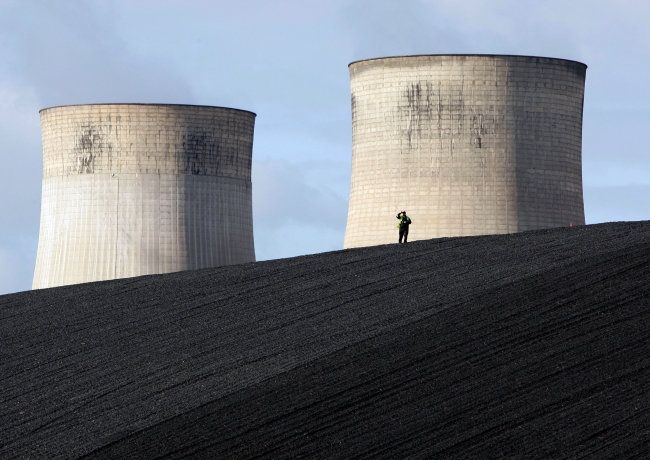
x,y
530,345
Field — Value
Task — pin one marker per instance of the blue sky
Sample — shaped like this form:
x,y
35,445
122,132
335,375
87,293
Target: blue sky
x,y
287,61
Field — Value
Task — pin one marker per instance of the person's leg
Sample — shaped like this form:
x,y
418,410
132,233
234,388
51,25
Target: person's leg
x,y
401,234
406,234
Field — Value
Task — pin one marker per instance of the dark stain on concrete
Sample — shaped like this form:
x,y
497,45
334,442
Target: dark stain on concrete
x,y
421,102
428,109
202,153
87,146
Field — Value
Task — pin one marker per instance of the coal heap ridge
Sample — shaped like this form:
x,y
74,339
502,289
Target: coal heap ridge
x,y
530,345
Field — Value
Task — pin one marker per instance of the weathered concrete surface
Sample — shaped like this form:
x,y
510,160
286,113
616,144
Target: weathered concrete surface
x,y
528,345
466,144
136,189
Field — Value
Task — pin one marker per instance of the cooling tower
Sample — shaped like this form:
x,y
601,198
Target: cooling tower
x,y
466,144
137,189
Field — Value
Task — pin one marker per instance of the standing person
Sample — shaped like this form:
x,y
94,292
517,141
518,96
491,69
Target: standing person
x,y
403,225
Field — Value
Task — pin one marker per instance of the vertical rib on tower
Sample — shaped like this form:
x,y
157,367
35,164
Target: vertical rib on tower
x,y
137,189
466,144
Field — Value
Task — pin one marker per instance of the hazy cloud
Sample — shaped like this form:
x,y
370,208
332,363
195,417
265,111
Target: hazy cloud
x,y
69,53
615,148
294,215
613,204
20,185
283,197
398,27
11,271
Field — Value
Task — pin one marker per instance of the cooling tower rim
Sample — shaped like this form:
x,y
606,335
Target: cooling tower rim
x,y
147,104
469,55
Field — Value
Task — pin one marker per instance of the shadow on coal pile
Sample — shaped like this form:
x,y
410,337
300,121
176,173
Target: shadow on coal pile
x,y
532,345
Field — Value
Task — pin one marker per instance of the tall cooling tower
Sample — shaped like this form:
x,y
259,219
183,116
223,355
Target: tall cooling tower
x,y
466,144
137,189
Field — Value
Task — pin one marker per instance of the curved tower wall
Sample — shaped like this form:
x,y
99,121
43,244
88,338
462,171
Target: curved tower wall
x,y
467,145
138,189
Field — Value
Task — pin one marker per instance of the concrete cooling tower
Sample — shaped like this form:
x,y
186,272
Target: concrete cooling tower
x,y
466,144
137,189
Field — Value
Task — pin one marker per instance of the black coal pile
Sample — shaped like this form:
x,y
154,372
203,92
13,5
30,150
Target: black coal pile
x,y
531,345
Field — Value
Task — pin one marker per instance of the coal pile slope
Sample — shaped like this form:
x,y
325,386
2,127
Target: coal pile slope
x,y
528,345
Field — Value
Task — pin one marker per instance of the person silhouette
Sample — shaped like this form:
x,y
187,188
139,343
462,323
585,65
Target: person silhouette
x,y
403,225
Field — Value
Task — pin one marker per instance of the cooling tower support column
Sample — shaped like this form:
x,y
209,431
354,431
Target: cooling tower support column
x,y
466,144
137,189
